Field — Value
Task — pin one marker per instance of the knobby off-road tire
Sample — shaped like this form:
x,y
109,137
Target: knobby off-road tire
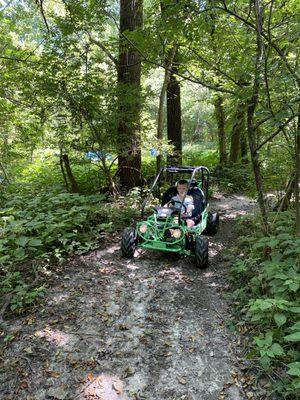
x,y
212,225
201,252
128,242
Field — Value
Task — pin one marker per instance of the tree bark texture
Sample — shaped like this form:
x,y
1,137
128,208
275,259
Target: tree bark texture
x,y
174,117
160,113
236,134
284,202
129,96
65,162
244,146
252,103
220,116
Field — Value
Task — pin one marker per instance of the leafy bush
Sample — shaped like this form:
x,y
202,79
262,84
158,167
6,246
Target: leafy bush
x,y
267,280
22,295
46,228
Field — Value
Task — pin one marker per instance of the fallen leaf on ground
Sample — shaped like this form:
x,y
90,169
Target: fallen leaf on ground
x,y
181,380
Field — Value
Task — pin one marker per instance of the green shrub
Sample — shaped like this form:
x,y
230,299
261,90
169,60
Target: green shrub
x,y
267,279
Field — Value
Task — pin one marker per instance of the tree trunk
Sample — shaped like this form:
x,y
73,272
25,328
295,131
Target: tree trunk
x,y
237,131
252,134
219,112
297,176
4,172
129,96
284,202
63,172
174,118
160,113
244,146
72,180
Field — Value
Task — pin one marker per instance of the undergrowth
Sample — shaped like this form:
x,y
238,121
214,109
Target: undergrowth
x,y
37,231
266,279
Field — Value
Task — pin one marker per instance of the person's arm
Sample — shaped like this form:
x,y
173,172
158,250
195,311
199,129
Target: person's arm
x,y
190,205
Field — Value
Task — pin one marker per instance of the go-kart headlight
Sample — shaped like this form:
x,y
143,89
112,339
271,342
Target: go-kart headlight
x,y
143,228
176,233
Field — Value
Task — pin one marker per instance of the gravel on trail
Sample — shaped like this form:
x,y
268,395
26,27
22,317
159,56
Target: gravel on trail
x,y
154,328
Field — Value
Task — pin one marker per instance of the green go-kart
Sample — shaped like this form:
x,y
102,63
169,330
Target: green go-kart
x,y
166,229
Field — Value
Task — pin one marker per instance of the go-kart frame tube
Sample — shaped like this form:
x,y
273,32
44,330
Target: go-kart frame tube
x,y
194,170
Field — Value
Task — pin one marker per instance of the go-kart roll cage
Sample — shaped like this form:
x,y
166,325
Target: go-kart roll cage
x,y
188,170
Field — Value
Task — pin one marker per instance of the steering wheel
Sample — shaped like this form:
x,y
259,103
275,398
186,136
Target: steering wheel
x,y
171,203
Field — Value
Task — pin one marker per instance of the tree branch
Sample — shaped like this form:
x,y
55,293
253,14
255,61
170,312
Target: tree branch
x,y
40,5
104,49
280,129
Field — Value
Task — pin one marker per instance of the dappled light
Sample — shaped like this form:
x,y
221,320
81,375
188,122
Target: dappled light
x,y
56,337
102,387
149,200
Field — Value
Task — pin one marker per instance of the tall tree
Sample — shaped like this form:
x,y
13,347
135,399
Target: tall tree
x,y
174,116
129,96
236,134
220,116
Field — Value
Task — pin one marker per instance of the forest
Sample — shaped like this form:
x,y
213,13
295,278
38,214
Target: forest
x,y
96,98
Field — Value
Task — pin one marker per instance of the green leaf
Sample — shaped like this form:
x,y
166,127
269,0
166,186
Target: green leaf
x,y
295,327
22,241
280,319
35,243
294,369
276,349
293,337
295,310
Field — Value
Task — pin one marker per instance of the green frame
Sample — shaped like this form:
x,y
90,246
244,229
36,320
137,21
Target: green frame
x,y
155,236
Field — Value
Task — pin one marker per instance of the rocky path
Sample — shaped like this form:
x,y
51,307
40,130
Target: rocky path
x,y
151,328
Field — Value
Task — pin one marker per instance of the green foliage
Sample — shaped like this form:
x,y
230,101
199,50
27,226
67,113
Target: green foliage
x,y
49,226
267,289
22,295
234,178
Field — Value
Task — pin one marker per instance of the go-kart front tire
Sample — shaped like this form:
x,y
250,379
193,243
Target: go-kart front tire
x,y
128,242
212,224
201,252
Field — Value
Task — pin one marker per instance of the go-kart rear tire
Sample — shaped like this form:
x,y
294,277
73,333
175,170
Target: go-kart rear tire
x,y
201,252
212,224
128,242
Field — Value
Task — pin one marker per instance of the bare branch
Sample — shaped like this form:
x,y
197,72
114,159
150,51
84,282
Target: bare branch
x,y
280,129
41,7
104,49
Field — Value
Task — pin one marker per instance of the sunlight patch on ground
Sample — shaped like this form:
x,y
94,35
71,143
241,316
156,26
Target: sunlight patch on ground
x,y
56,337
215,249
59,298
102,387
174,275
132,267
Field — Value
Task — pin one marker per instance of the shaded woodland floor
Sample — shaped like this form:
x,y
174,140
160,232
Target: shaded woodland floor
x,y
153,328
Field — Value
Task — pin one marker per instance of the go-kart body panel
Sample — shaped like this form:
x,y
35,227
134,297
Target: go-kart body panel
x,y
158,233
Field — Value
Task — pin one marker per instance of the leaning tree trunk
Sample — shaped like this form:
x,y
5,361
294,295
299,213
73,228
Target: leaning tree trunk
x,y
220,116
174,118
284,202
237,131
66,162
129,96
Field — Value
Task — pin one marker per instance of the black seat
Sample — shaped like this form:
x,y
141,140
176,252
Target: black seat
x,y
199,203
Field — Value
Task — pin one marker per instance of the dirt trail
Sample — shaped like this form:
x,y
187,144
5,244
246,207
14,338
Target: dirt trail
x,y
150,328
